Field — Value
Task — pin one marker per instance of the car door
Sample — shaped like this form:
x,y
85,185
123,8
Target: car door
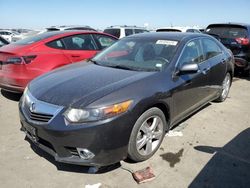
x,y
217,60
79,47
191,88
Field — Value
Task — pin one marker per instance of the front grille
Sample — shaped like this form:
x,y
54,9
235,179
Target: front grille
x,y
37,111
40,117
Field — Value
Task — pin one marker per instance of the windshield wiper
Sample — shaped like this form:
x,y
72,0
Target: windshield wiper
x,y
121,67
93,61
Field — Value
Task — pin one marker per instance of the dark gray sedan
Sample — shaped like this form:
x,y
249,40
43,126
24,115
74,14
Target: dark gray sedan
x,y
121,102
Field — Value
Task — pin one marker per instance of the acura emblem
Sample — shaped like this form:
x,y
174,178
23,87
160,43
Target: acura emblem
x,y
32,107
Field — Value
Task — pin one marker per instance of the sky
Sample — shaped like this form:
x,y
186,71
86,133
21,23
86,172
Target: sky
x,y
100,14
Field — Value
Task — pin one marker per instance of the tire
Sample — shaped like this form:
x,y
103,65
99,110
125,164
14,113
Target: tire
x,y
147,135
225,88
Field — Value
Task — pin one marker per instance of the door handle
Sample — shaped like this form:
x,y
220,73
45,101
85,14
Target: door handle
x,y
223,61
205,70
75,56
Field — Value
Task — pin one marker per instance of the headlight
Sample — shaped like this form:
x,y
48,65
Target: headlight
x,y
24,96
87,115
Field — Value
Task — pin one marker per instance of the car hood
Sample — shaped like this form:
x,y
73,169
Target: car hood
x,y
80,84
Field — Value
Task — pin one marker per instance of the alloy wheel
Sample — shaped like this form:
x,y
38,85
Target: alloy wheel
x,y
149,135
226,86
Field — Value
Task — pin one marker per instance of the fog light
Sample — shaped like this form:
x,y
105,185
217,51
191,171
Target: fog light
x,y
85,153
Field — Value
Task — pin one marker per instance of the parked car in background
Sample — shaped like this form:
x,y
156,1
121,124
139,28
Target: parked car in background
x,y
26,59
3,41
26,35
123,31
120,103
236,37
7,34
178,29
53,28
70,27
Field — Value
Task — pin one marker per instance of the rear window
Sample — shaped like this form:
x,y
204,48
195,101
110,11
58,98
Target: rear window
x,y
168,30
114,32
36,38
228,31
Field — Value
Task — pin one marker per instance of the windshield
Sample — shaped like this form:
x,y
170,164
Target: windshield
x,y
139,54
227,31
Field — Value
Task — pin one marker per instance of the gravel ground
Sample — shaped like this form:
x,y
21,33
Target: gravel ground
x,y
211,149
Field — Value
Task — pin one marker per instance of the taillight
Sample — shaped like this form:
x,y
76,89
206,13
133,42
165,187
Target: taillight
x,y
29,59
242,41
14,60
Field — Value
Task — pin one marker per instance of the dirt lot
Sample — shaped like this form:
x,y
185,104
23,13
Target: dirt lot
x,y
214,151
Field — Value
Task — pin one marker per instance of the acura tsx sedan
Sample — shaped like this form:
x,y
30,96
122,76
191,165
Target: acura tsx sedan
x,y
120,103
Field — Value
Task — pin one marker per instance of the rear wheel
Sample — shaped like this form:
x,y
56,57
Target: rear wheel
x,y
147,135
225,88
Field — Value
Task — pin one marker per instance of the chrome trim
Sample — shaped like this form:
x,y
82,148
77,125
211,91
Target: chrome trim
x,y
29,102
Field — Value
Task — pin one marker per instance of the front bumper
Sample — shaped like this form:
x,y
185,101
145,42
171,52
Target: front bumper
x,y
107,139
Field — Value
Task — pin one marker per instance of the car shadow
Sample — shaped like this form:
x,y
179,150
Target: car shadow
x,y
241,76
230,165
192,114
71,167
11,96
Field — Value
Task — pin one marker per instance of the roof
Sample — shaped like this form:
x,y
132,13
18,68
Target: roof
x,y
55,33
230,23
182,29
125,26
178,36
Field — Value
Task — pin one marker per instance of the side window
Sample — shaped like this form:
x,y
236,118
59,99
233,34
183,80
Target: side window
x,y
104,41
1,43
79,42
128,32
58,44
190,31
210,48
191,53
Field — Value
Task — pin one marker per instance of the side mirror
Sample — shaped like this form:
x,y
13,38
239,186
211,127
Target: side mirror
x,y
188,69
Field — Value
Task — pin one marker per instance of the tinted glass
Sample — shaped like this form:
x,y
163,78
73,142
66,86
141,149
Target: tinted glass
x,y
114,32
228,31
191,53
79,42
58,44
190,31
138,54
210,48
128,32
104,40
33,39
168,30
140,31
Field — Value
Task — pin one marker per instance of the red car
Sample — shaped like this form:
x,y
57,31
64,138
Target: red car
x,y
22,61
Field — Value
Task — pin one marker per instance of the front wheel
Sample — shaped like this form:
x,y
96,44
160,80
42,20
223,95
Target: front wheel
x,y
225,88
147,135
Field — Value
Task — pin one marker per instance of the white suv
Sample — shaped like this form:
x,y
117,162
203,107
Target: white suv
x,y
123,31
